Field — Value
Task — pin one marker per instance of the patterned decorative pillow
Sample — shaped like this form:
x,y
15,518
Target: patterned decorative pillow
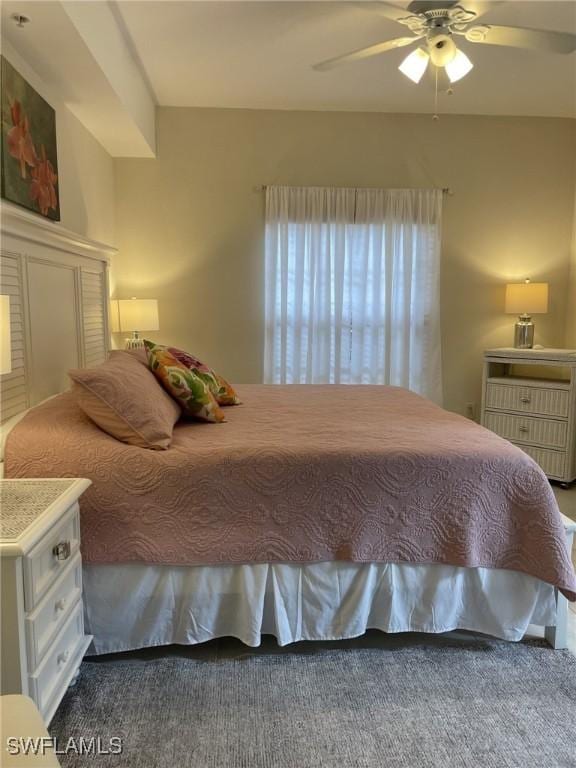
x,y
220,388
189,390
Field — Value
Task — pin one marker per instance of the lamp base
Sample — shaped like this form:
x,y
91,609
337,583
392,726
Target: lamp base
x,y
524,333
135,342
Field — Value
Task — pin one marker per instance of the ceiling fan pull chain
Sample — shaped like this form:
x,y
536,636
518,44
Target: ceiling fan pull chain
x,y
436,116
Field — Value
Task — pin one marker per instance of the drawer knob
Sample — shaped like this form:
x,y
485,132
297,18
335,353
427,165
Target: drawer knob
x,y
523,429
62,550
59,605
63,658
524,399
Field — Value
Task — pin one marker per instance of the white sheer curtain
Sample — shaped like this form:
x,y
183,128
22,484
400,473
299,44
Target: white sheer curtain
x,y
352,287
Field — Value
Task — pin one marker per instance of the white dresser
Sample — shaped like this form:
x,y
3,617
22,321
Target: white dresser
x,y
529,397
43,640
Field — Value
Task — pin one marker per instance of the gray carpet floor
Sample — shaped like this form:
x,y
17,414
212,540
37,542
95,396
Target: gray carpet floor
x,y
405,701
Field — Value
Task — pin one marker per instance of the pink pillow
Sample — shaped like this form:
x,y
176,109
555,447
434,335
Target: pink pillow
x,y
138,354
124,399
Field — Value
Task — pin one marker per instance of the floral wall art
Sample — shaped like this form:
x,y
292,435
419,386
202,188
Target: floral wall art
x,y
29,159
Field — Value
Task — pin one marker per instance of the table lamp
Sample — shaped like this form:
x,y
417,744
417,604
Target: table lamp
x,y
5,338
136,315
526,299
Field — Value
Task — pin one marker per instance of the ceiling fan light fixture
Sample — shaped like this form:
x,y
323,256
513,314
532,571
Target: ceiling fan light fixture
x,y
415,64
458,67
442,49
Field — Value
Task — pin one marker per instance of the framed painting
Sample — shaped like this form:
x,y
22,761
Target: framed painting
x,y
29,154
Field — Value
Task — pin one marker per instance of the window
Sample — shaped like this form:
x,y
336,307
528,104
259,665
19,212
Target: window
x,y
352,284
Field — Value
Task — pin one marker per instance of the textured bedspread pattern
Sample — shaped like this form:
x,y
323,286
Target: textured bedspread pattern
x,y
305,474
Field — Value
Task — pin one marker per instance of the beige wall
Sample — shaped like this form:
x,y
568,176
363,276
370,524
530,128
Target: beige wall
x,y
85,169
190,225
571,306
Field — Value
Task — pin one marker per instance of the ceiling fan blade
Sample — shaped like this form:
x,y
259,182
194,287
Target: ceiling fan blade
x,y
480,7
365,53
393,12
518,37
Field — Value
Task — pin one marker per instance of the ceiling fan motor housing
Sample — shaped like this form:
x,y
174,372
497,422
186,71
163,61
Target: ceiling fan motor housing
x,y
427,6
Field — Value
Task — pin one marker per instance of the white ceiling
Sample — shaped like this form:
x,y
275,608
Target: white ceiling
x,y
259,55
64,60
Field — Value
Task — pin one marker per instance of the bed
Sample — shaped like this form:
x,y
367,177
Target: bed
x,y
312,513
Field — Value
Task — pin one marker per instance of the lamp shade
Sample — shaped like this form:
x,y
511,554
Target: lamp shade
x,y
5,338
414,65
138,315
458,67
527,298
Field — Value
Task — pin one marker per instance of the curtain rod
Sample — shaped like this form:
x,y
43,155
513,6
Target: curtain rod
x,y
262,188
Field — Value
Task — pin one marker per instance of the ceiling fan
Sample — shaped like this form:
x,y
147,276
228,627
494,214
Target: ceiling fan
x,y
437,23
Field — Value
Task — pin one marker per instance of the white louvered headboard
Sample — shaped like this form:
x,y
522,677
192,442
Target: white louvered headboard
x,y
58,287
14,386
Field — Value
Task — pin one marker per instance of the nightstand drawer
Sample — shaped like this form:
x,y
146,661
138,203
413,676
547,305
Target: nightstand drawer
x,y
553,463
43,637
524,429
543,401
49,558
53,671
44,623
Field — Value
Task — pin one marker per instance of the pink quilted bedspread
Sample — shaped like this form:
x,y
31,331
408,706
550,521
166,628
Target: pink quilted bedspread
x,y
305,474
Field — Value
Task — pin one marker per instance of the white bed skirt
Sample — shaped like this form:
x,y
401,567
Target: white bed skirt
x,y
138,606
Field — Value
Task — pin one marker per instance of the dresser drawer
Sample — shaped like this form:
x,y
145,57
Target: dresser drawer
x,y
527,399
553,463
525,429
42,566
54,671
44,623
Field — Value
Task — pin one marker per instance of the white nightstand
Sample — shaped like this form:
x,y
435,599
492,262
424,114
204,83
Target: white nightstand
x,y
529,397
43,638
